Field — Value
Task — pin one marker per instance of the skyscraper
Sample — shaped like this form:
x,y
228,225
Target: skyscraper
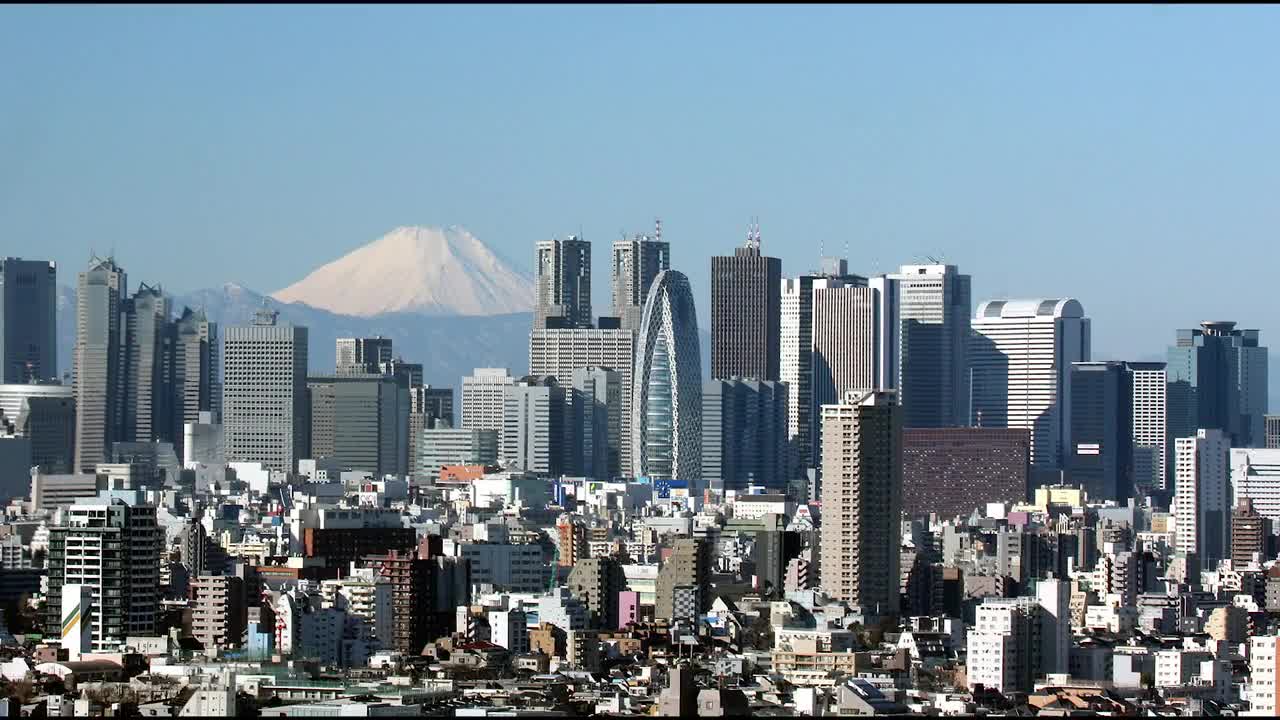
x,y
560,353
854,343
933,304
1273,431
50,423
1255,474
195,371
356,419
365,355
563,283
636,262
440,446
746,312
408,374
1150,391
484,398
434,402
148,387
98,369
862,500
1218,379
265,392
28,325
597,406
795,364
1202,500
429,407
535,433
1101,453
744,435
1021,353
666,426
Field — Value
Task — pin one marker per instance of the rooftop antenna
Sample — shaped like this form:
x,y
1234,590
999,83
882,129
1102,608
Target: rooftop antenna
x,y
657,229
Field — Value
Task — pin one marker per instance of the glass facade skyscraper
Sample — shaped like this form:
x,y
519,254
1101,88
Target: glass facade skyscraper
x,y
1218,380
28,304
667,428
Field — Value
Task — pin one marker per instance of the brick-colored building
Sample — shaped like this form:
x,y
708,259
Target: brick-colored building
x,y
951,471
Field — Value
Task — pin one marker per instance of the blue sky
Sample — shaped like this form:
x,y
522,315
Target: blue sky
x,y
1129,157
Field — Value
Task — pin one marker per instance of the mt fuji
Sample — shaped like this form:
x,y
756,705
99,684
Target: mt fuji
x,y
431,271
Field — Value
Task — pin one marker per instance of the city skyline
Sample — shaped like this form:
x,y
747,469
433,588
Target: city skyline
x,y
975,421
1038,177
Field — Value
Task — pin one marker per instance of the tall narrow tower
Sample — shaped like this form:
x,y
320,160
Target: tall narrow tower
x,y
636,262
862,500
746,311
1217,377
564,284
933,306
796,357
28,311
99,381
666,428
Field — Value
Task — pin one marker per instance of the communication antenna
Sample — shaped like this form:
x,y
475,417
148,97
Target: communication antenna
x,y
657,229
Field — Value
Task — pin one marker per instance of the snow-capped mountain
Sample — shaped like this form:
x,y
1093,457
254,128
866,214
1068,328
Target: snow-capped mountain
x,y
435,271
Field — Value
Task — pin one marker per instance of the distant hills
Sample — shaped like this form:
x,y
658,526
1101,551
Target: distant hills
x,y
448,346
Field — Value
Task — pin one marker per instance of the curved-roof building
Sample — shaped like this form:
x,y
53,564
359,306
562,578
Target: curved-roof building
x,y
666,427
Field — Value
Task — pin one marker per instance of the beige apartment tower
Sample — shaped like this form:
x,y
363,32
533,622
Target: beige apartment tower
x,y
862,499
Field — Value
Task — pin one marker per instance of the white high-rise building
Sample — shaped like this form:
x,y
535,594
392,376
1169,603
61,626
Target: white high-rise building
x,y
264,389
796,358
1255,474
97,362
560,353
1202,500
484,398
993,649
1150,420
1021,353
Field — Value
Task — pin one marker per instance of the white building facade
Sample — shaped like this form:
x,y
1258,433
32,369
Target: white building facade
x,y
1020,353
1202,496
484,397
